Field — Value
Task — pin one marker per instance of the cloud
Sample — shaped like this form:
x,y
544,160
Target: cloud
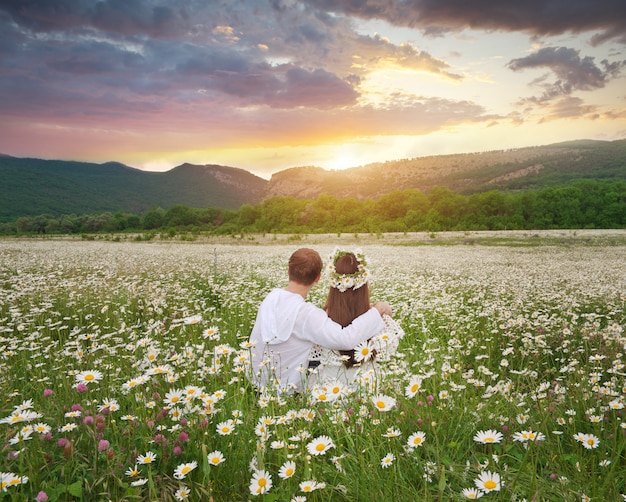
x,y
202,74
153,52
572,71
376,51
156,19
569,107
538,17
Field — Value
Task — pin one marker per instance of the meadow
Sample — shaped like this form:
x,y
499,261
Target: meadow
x,y
124,366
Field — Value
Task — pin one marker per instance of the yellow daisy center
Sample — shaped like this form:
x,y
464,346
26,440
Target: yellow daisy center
x,y
490,484
320,447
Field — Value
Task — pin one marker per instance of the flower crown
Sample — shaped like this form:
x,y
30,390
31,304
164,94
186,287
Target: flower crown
x,y
346,281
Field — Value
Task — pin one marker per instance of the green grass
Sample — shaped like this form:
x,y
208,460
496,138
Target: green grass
x,y
510,340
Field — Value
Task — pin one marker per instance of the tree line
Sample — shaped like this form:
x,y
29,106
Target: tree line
x,y
582,204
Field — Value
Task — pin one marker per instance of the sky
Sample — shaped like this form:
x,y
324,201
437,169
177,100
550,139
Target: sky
x,y
266,85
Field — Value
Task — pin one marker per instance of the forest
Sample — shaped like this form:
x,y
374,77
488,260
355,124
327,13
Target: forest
x,y
581,204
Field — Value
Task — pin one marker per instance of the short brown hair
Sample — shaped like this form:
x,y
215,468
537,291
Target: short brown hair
x,y
305,265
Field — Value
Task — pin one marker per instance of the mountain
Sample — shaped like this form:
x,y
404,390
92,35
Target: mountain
x,y
517,169
32,187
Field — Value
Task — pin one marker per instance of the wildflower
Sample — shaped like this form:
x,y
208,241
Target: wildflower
x,y
335,389
309,486
103,445
42,428
41,497
9,479
392,432
194,319
109,405
20,416
68,428
87,377
182,493
472,493
174,397
148,458
363,352
139,482
320,445
416,439
589,441
488,436
287,470
183,469
488,481
211,333
383,403
529,436
215,458
225,428
132,471
260,483
320,394
414,385
387,460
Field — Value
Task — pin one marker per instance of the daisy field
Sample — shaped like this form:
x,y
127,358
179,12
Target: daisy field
x,y
124,374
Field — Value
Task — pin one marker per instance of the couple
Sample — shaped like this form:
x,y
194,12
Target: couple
x,y
290,333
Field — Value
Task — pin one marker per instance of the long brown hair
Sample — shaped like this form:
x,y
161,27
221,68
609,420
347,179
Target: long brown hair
x,y
344,307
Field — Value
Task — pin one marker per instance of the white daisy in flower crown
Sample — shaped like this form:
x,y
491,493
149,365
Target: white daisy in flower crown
x,y
346,281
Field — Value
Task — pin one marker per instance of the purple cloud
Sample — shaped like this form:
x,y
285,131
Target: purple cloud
x,y
573,72
537,17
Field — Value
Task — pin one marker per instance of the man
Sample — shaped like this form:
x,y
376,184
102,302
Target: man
x,y
287,327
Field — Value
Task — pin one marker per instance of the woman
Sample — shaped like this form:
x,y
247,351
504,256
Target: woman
x,y
348,298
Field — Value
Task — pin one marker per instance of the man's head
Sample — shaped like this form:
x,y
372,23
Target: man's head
x,y
305,266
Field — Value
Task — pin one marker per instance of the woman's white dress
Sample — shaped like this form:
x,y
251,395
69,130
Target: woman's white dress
x,y
332,368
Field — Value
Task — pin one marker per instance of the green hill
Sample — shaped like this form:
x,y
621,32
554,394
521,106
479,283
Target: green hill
x,y
33,187
505,170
